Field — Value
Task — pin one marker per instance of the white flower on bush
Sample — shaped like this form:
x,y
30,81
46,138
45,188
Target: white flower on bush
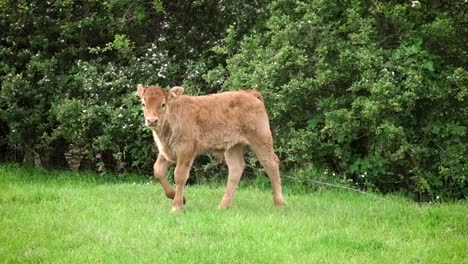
x,y
415,4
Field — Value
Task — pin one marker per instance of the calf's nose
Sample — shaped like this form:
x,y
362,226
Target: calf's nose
x,y
152,120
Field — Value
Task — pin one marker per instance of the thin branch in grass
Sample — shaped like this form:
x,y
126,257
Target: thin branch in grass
x,y
340,187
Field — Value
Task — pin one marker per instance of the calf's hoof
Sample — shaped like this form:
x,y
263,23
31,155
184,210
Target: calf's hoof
x,y
176,209
279,202
224,205
178,204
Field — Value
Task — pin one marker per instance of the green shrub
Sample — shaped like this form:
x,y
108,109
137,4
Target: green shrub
x,y
363,89
373,91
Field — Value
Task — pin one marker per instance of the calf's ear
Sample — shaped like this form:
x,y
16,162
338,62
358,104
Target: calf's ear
x,y
175,92
140,90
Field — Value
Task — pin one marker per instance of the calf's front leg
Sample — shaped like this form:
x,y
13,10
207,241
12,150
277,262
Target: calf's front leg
x,y
181,175
160,170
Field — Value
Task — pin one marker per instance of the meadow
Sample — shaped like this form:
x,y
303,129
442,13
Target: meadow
x,y
68,217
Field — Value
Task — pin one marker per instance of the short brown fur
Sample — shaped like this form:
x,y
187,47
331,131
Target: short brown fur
x,y
185,126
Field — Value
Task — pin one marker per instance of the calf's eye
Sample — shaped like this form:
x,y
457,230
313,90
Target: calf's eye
x,y
163,105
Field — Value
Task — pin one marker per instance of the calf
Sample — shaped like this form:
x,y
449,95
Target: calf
x,y
184,126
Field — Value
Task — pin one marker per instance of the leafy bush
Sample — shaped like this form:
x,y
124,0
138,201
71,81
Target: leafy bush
x,y
362,89
373,91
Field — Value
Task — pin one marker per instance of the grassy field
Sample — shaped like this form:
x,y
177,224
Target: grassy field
x,y
63,217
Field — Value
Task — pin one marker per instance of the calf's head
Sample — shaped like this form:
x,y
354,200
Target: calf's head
x,y
156,101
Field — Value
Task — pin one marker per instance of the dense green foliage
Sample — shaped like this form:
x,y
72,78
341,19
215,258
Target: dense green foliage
x,y
67,217
374,91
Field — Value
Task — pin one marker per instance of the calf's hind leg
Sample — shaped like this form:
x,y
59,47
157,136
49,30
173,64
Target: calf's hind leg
x,y
263,148
236,164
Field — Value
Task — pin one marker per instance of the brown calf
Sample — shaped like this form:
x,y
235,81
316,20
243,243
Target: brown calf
x,y
184,126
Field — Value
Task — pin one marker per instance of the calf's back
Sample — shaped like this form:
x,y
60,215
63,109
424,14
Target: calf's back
x,y
218,121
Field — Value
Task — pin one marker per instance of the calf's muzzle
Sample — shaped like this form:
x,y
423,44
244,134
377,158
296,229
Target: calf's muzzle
x,y
152,121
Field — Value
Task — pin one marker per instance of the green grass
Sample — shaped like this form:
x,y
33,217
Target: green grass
x,y
64,217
